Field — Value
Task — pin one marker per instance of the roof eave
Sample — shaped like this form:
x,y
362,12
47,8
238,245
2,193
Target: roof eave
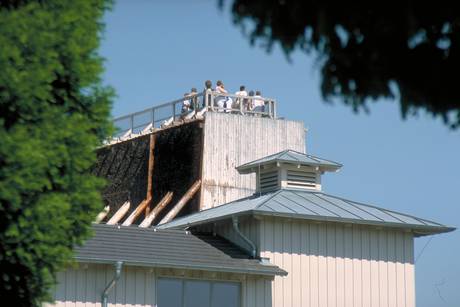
x,y
418,230
206,221
251,168
273,271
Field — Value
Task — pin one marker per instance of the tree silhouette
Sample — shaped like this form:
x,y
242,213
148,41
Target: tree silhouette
x,y
369,49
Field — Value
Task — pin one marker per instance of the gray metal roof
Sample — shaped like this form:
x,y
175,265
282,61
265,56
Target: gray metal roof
x,y
168,249
290,156
311,205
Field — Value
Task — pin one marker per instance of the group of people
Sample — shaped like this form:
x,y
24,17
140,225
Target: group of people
x,y
242,100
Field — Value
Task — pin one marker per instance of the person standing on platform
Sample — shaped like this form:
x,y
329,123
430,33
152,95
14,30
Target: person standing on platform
x,y
241,102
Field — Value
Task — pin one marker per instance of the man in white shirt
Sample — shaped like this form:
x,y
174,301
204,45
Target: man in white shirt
x,y
259,103
242,93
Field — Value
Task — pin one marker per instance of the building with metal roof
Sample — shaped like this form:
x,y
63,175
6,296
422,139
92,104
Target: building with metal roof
x,y
311,206
234,238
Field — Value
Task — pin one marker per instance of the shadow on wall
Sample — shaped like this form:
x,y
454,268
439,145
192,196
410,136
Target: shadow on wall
x,y
177,165
277,237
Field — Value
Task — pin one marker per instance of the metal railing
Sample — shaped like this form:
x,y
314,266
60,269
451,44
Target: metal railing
x,y
189,107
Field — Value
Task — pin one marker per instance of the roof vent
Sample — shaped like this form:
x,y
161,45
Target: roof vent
x,y
288,169
268,181
301,179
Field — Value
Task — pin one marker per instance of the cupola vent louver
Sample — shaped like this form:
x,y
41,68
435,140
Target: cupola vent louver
x,y
301,179
288,169
269,181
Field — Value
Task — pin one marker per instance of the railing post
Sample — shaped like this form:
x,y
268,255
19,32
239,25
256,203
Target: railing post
x,y
274,108
269,105
205,99
211,102
131,124
153,118
174,111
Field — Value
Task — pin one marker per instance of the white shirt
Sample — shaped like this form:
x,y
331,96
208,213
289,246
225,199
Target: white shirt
x,y
241,93
257,101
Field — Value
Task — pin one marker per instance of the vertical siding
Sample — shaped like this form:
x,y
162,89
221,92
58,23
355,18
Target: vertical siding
x,y
232,140
256,292
83,286
339,265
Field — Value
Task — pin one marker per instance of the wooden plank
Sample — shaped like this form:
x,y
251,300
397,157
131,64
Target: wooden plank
x,y
150,171
133,216
182,202
156,210
102,214
119,214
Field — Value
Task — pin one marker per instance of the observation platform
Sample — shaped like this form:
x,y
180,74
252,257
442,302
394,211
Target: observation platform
x,y
171,113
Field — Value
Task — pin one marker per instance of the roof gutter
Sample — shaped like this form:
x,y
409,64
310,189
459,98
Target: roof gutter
x,y
105,294
245,239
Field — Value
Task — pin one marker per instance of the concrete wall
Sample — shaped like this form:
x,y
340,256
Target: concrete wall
x,y
338,265
232,140
82,286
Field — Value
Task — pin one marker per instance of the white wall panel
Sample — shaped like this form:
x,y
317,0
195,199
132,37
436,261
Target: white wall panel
x,y
232,140
332,264
83,286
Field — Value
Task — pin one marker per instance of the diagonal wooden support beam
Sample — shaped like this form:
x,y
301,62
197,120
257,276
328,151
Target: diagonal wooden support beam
x,y
102,214
156,210
133,216
119,214
182,202
150,171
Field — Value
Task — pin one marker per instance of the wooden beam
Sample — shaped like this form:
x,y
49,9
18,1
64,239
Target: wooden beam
x,y
102,214
119,214
150,171
156,210
182,202
133,216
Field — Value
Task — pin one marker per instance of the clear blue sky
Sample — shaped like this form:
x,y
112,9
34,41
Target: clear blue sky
x,y
157,50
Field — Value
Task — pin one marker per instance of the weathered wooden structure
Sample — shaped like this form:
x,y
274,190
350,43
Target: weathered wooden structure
x,y
142,168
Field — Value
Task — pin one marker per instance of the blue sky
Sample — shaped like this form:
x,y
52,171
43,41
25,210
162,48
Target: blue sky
x,y
157,50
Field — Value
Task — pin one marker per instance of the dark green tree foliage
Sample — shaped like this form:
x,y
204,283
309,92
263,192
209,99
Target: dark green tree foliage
x,y
365,46
53,113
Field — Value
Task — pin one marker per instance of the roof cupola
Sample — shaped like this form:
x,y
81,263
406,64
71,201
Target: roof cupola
x,y
289,169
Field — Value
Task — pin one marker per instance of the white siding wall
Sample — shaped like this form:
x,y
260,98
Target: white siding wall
x,y
337,265
232,140
82,286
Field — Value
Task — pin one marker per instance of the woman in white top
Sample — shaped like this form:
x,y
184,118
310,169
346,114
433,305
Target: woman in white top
x,y
259,103
223,102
